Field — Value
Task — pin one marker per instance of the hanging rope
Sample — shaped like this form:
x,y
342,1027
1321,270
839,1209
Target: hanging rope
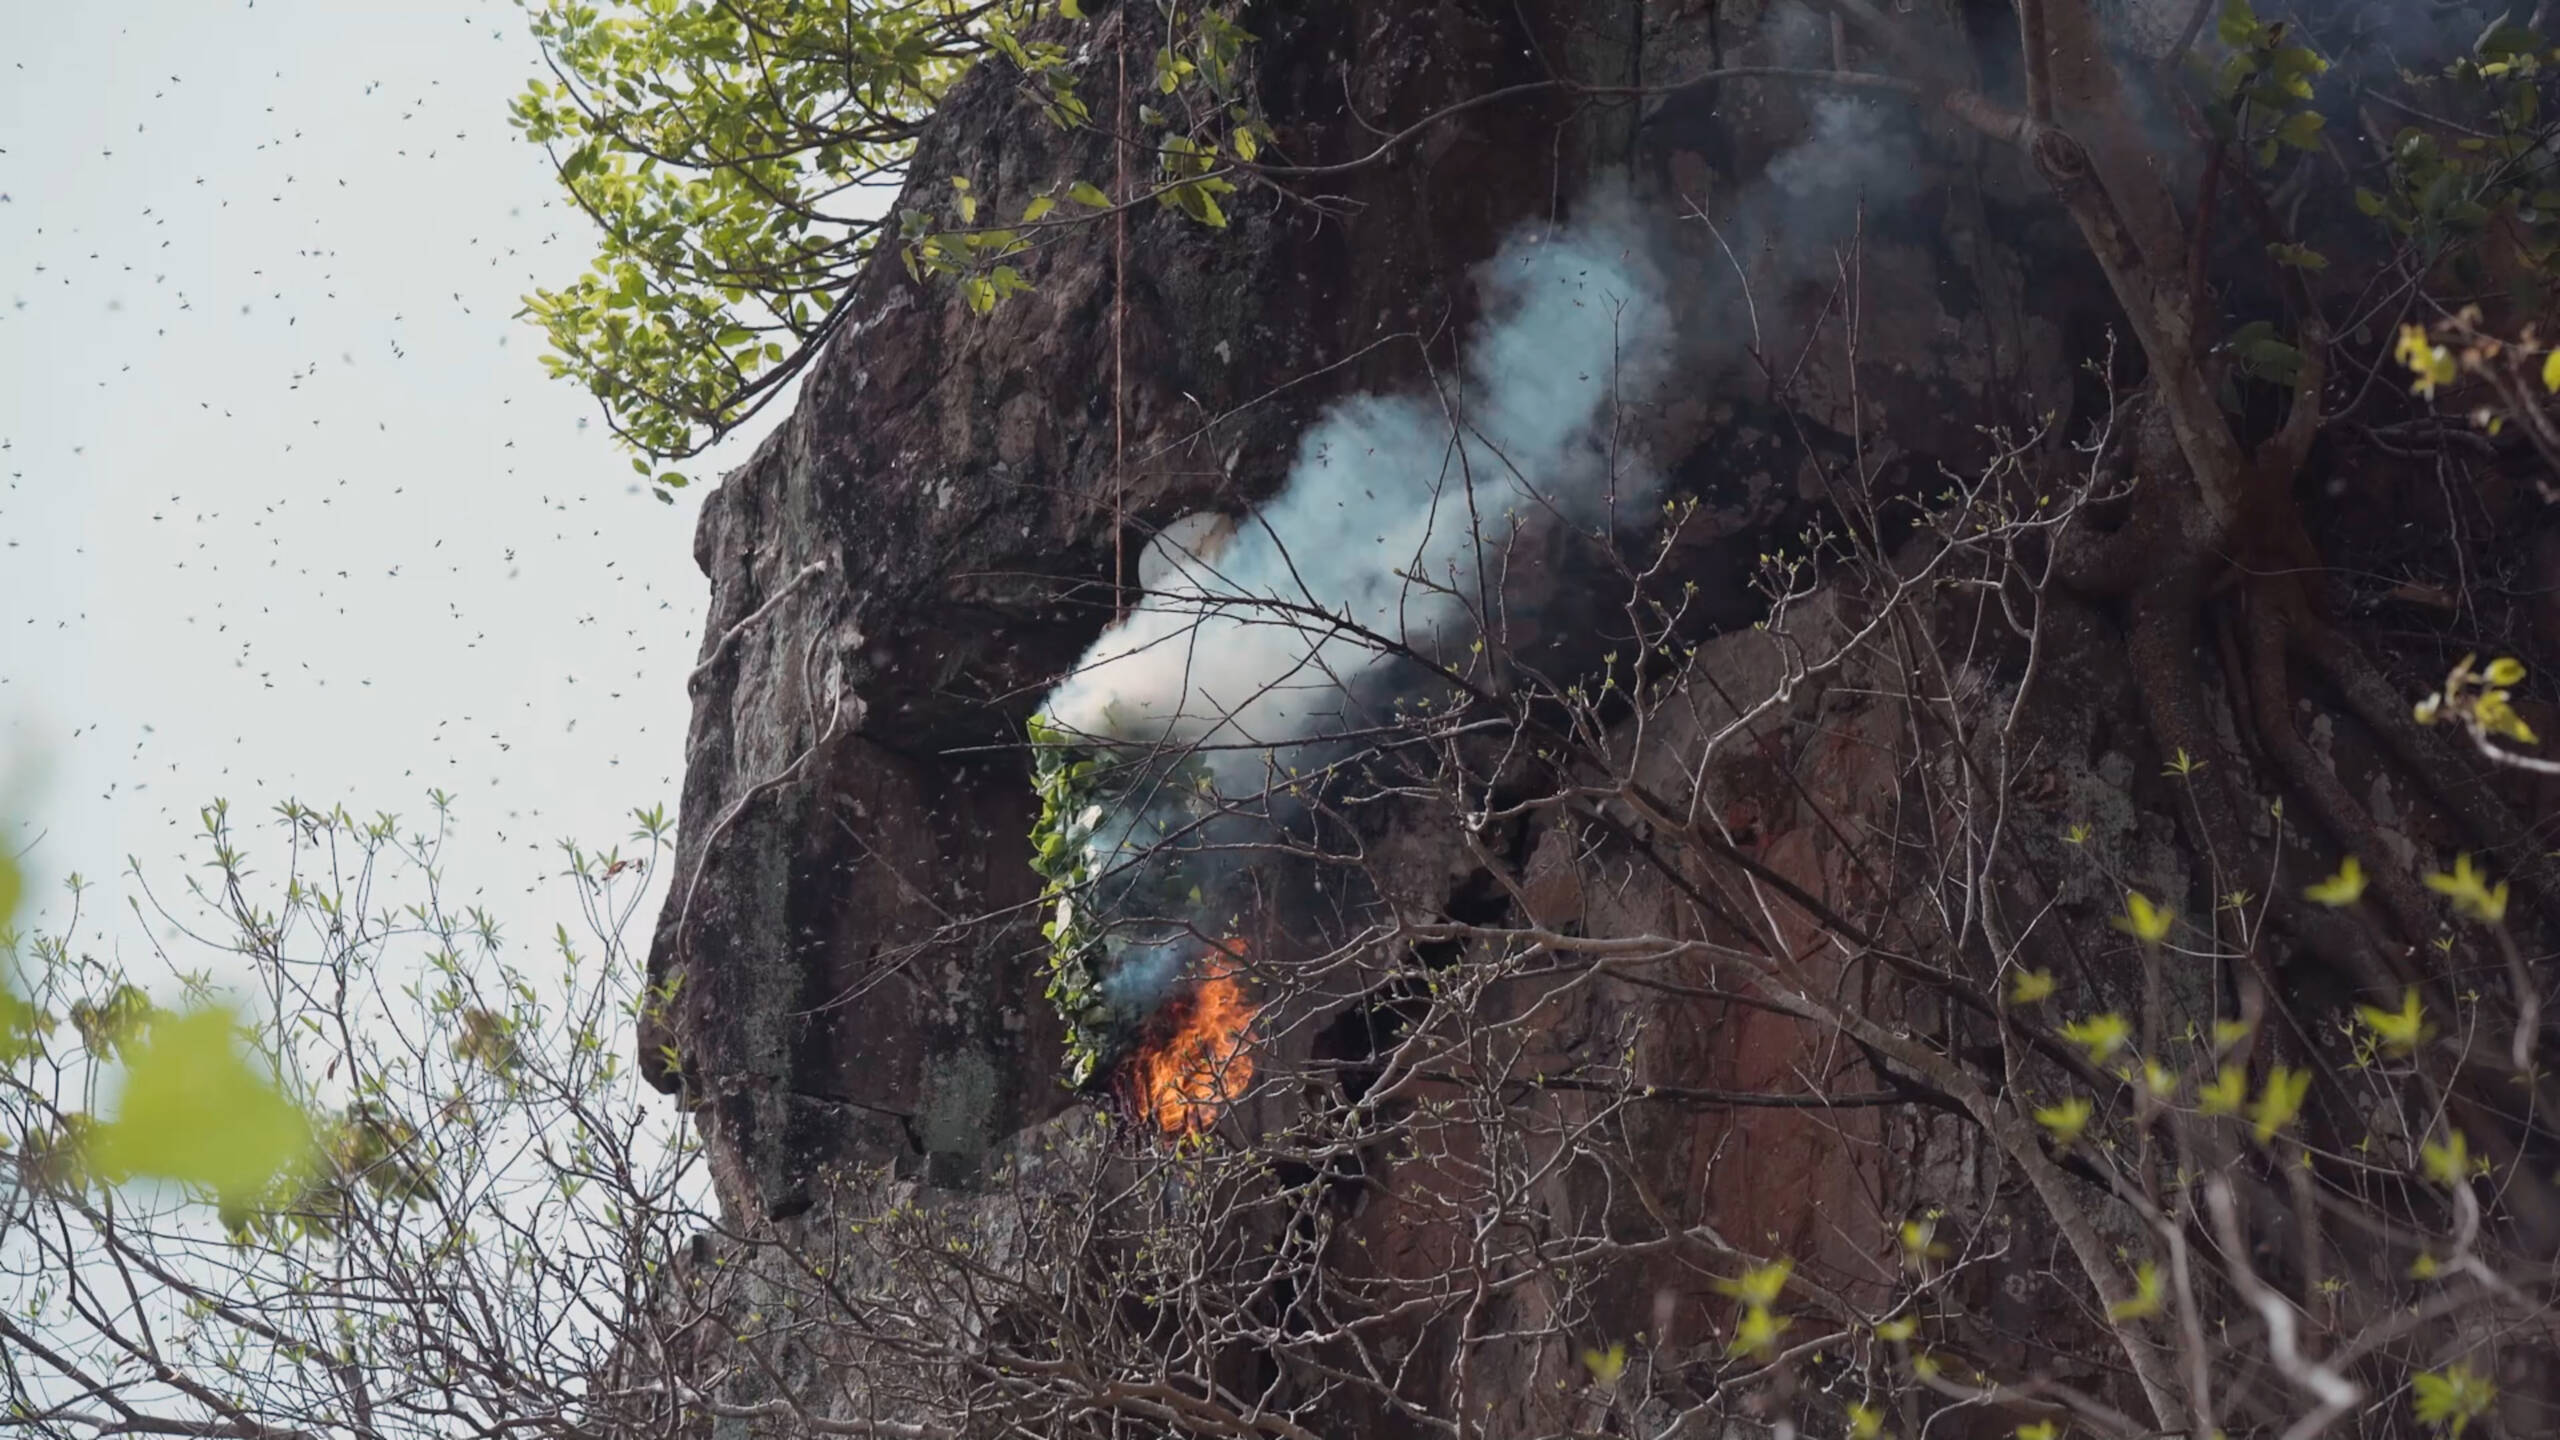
x,y
1119,316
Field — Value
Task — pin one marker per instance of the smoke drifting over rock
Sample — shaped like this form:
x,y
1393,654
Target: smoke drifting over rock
x,y
1263,636
1257,640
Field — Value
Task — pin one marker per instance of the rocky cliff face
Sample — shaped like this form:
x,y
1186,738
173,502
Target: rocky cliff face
x,y
962,480
857,796
1868,304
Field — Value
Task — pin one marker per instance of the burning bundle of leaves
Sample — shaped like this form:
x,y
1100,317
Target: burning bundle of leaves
x,y
1107,844
1196,1056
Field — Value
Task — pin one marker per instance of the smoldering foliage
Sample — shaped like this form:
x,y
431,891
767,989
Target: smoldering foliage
x,y
1260,642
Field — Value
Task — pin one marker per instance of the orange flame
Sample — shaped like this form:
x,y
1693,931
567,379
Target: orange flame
x,y
1196,1058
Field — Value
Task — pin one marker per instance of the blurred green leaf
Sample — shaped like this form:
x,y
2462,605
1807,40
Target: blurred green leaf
x,y
2238,25
2448,1400
20,1026
196,1111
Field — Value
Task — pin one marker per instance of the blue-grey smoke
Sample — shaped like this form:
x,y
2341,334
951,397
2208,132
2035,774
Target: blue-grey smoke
x,y
1390,505
1256,640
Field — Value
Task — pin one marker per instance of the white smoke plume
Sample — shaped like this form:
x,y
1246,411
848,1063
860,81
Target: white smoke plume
x,y
1261,637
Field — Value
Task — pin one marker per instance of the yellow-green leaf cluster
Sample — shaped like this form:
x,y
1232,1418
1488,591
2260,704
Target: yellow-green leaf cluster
x,y
1606,1366
2145,1300
2066,1119
2447,1162
2396,1031
2448,1400
2101,1035
2144,920
2482,699
2280,1101
1758,1289
2226,1094
2470,891
2429,362
2344,888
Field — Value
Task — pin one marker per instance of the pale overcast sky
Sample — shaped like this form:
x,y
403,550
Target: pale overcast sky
x,y
287,505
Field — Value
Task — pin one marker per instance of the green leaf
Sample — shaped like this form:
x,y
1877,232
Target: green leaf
x,y
1759,1331
1761,1284
1085,192
2234,73
2030,986
1039,206
2280,1101
1195,201
2146,1296
21,1027
2448,1162
195,1111
2301,129
2399,1031
2451,1398
2262,355
2238,24
2101,1035
2468,888
2144,920
2229,1090
2066,1120
1606,1365
2344,888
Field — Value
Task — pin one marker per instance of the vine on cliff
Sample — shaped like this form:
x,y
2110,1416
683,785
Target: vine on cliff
x,y
1069,781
